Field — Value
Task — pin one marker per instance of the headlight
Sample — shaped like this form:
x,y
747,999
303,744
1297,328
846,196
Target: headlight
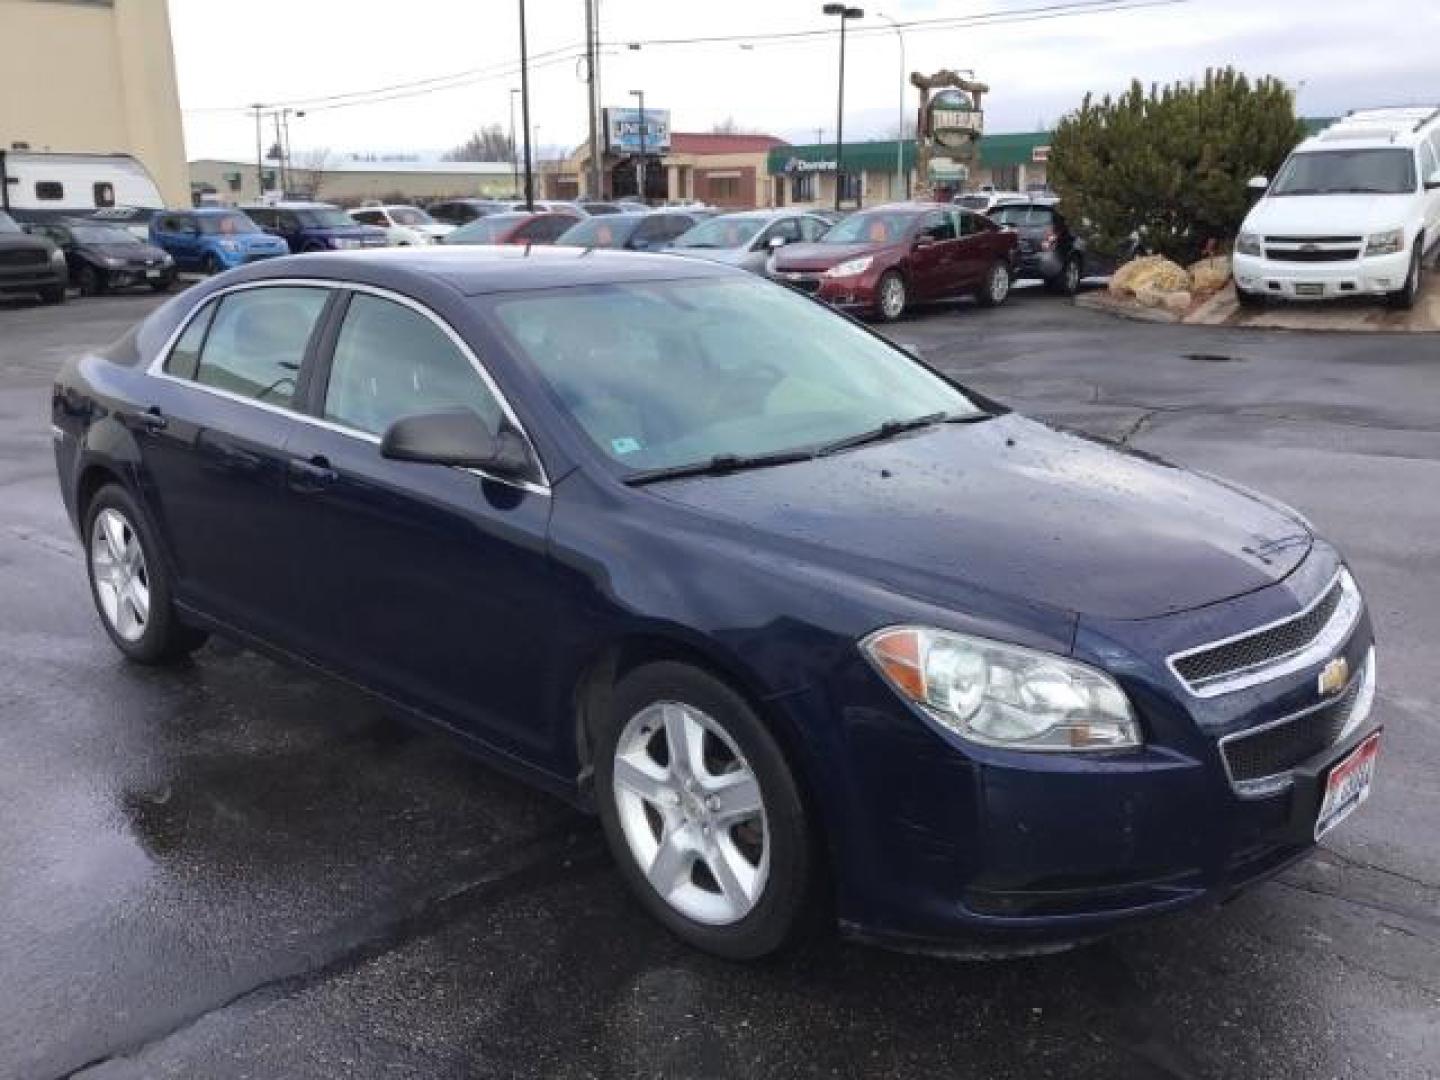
x,y
850,267
1247,243
1385,243
57,257
1003,695
166,258
112,263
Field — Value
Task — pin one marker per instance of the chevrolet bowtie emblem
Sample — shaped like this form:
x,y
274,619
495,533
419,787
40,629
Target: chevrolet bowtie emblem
x,y
1334,676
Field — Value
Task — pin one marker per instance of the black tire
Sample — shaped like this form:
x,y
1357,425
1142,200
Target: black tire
x,y
1246,298
212,264
53,294
786,907
162,286
992,292
1067,282
891,304
164,638
91,281
1404,299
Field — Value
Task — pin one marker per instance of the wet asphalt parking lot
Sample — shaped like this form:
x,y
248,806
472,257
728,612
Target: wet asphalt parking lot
x,y
234,869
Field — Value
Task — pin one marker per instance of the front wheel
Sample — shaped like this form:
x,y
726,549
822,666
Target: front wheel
x,y
1067,282
890,296
996,286
53,294
212,264
130,584
91,281
162,286
1246,298
1404,299
702,813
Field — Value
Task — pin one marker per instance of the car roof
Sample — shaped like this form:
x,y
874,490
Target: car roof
x,y
210,211
476,270
297,204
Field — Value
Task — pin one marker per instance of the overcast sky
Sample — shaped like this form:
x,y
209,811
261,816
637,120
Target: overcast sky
x,y
1339,53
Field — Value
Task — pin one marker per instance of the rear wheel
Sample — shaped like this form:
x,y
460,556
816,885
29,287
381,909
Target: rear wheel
x,y
702,813
996,286
91,281
890,296
1404,299
129,583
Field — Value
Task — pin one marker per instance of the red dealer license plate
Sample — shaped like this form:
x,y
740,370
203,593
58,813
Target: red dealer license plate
x,y
1348,785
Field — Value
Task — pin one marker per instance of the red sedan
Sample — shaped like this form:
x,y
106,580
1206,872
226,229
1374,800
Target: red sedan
x,y
882,260
515,228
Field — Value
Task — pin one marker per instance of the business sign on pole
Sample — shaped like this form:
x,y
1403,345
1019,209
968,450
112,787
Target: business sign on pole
x,y
955,122
622,131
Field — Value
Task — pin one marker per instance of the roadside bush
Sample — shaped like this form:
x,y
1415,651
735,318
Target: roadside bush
x,y
1172,164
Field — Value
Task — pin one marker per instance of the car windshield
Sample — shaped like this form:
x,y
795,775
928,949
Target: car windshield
x,y
226,224
722,232
410,215
1021,216
486,230
101,234
606,231
780,372
973,202
872,227
1347,172
325,217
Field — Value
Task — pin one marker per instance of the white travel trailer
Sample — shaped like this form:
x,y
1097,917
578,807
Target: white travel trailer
x,y
37,186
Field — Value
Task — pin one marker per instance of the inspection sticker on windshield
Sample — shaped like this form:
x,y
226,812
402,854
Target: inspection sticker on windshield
x,y
1348,785
624,445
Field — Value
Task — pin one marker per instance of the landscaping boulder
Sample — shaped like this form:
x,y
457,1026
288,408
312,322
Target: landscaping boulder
x,y
1153,272
1210,275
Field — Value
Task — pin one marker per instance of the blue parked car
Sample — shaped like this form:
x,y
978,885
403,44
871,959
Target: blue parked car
x,y
213,239
315,226
810,626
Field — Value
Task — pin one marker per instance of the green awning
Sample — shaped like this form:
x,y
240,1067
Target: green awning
x,y
1009,149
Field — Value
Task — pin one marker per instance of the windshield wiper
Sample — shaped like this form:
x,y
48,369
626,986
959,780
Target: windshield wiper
x,y
718,465
891,428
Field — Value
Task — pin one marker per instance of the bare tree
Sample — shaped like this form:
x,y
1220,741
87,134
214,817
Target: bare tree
x,y
310,170
488,143
731,126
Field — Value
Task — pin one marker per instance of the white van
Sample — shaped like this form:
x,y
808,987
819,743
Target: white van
x,y
41,185
1354,211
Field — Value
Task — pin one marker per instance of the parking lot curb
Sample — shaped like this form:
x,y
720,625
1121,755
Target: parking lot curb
x,y
1101,300
1337,317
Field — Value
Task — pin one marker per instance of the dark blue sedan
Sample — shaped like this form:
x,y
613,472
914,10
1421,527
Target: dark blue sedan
x,y
813,629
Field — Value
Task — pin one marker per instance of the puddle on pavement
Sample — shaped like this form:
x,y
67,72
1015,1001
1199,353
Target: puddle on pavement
x,y
1212,358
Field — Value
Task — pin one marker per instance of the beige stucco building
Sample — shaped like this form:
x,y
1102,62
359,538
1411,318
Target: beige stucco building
x,y
350,181
93,76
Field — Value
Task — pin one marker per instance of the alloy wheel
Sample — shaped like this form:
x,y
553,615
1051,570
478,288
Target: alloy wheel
x,y
999,282
122,581
692,813
892,298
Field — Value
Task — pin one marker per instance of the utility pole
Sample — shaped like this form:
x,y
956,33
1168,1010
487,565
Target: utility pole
x,y
640,165
280,150
259,153
525,112
846,14
592,79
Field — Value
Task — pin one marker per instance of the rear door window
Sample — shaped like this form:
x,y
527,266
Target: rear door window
x,y
257,341
938,225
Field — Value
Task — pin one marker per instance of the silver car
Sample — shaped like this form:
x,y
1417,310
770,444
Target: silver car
x,y
748,238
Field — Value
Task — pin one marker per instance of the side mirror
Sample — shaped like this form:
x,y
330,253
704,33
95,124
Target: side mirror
x,y
1257,185
775,243
924,240
455,437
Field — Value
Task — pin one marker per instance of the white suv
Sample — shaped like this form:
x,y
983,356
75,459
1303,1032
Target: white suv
x,y
405,226
1354,211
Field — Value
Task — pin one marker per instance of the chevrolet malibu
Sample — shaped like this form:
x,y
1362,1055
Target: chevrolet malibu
x,y
815,630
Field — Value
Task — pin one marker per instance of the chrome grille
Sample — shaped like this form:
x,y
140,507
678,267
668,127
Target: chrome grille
x,y
24,257
1276,649
1259,761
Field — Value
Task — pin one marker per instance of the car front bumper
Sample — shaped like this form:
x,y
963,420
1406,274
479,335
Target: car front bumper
x,y
1369,276
29,279
856,293
947,846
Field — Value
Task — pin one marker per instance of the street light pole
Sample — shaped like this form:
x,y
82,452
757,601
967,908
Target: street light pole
x,y
900,179
846,14
525,112
259,152
640,166
514,146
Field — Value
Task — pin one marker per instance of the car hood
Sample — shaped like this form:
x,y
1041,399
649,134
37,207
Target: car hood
x,y
131,253
1326,215
1012,507
821,256
23,242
